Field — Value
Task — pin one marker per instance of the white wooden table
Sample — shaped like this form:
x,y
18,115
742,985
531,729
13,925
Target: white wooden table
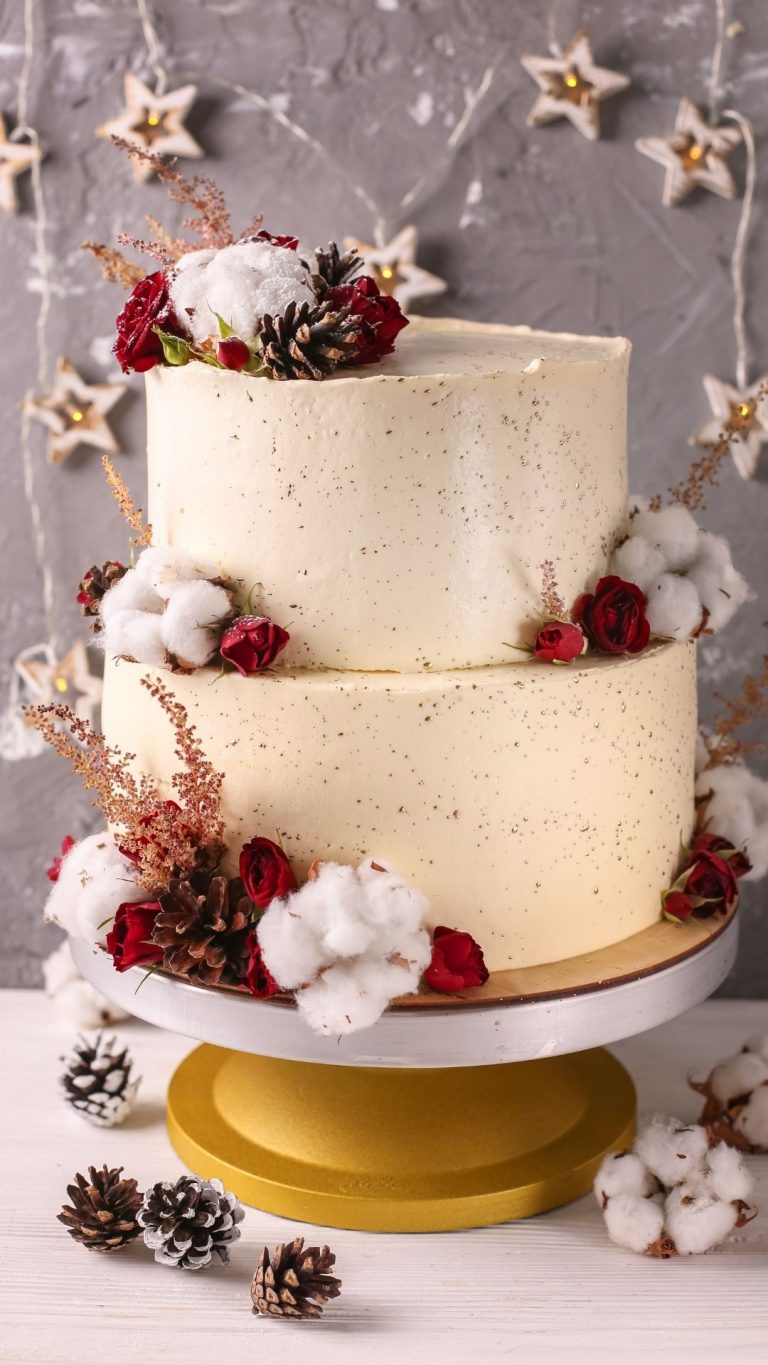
x,y
552,1289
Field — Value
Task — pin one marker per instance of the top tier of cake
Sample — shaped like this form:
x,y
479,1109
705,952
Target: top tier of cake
x,y
397,518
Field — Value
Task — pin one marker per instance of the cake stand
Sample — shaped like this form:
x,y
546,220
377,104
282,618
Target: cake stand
x,y
449,1112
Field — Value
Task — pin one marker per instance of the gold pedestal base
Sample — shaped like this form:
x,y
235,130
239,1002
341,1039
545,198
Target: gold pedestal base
x,y
387,1150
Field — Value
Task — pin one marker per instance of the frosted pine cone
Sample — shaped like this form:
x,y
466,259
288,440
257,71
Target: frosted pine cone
x,y
189,1223
97,1081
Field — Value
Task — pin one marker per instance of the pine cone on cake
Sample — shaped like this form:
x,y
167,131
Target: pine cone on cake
x,y
97,1081
187,1223
203,927
308,342
102,1214
95,583
292,1282
333,268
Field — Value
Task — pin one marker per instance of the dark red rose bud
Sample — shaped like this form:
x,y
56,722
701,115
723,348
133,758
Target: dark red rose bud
x,y
252,643
676,906
559,642
457,961
265,872
52,872
259,978
233,353
711,882
129,941
380,314
736,859
138,347
613,617
290,243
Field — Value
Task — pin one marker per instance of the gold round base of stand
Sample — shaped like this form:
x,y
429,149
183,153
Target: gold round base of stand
x,y
396,1150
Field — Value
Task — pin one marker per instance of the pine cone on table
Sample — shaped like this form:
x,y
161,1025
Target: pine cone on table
x,y
102,1215
308,342
333,268
293,1282
97,1081
189,1223
203,926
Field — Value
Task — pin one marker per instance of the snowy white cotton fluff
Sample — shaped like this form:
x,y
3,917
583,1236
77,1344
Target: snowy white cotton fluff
x,y
740,1075
738,810
190,619
753,1119
728,1177
633,1222
622,1173
671,1150
758,1043
686,573
347,942
94,879
239,283
696,1220
164,611
78,1004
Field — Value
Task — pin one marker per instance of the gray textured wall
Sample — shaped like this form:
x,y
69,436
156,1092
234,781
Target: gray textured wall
x,y
534,226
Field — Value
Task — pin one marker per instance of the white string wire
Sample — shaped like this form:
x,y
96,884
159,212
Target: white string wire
x,y
715,88
739,248
552,43
154,47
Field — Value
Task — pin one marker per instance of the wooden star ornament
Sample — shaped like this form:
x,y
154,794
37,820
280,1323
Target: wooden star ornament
x,y
393,266
154,122
694,155
75,413
572,86
66,680
15,158
739,418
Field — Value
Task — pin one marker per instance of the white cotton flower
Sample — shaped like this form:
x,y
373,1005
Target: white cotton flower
x,y
188,624
728,1177
702,754
738,1076
672,1151
130,593
738,810
674,607
353,994
78,1004
165,568
753,1119
239,283
758,1043
94,879
622,1173
633,1222
672,531
720,586
135,635
697,1221
637,561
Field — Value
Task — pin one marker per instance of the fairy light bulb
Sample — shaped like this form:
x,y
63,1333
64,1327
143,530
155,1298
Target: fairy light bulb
x,y
60,684
153,120
76,415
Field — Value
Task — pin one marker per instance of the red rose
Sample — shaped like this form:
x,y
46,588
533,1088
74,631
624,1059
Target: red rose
x,y
558,642
232,353
265,872
736,859
457,961
711,881
137,346
290,242
380,314
52,872
676,906
129,941
613,617
261,982
251,643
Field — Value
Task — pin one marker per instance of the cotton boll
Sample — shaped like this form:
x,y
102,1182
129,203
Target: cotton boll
x,y
671,1150
165,568
239,283
728,1176
94,878
131,593
633,1222
758,1043
340,1002
77,1002
291,951
193,609
637,561
135,635
672,530
674,607
753,1119
721,587
696,1222
738,1076
738,810
622,1173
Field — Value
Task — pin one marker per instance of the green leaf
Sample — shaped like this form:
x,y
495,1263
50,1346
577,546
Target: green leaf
x,y
224,328
175,349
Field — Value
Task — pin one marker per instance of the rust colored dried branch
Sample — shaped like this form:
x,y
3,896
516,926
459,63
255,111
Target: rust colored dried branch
x,y
210,220
155,250
114,266
133,514
197,783
703,472
175,247
553,602
750,704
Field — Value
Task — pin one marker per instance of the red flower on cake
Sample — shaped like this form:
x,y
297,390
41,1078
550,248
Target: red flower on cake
x,y
736,859
280,240
232,353
677,906
265,872
129,941
380,314
613,617
712,881
138,347
252,643
52,872
457,961
559,642
259,978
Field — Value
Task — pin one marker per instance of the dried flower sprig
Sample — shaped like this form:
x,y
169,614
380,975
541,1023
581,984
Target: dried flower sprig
x,y
114,267
749,704
553,602
210,220
197,783
132,514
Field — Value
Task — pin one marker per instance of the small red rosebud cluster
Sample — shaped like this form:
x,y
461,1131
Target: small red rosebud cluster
x,y
53,872
457,962
613,617
129,941
708,883
265,872
252,643
138,347
283,239
380,314
232,353
559,642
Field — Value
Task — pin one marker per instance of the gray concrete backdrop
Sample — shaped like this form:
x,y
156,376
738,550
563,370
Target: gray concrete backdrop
x,y
528,225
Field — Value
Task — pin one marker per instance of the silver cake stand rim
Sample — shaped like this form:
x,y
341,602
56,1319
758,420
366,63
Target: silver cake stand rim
x,y
492,1033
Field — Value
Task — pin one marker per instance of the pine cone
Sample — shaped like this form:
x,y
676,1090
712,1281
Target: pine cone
x,y
308,342
102,1215
186,1224
97,1081
95,583
332,268
203,926
294,1283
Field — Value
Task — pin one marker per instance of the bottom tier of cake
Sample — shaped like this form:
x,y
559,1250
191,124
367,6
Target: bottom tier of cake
x,y
540,808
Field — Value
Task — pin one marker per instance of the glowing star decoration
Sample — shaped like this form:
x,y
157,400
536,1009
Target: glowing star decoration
x,y
572,87
154,122
66,680
393,267
75,413
740,418
694,156
15,158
